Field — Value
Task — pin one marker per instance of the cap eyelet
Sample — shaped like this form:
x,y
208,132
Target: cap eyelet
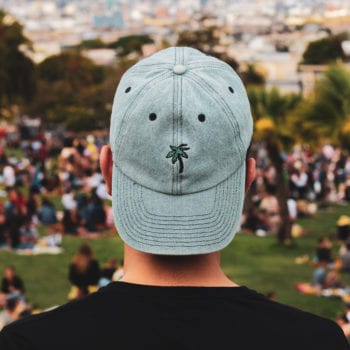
x,y
231,90
152,117
201,117
127,89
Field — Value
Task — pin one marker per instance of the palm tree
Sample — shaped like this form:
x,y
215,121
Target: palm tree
x,y
270,110
326,114
176,154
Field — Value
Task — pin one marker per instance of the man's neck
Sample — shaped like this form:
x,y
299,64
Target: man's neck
x,y
195,270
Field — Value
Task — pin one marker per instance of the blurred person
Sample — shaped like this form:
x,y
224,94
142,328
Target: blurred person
x,y
107,272
177,169
9,176
16,213
47,212
343,228
33,202
28,235
323,252
96,215
84,272
4,243
345,257
269,204
11,282
70,213
17,203
14,308
299,182
53,236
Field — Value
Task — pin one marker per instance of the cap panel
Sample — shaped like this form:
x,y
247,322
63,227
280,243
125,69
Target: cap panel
x,y
132,87
143,143
213,140
222,80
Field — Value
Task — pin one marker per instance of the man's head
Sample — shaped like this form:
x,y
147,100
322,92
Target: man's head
x,y
180,129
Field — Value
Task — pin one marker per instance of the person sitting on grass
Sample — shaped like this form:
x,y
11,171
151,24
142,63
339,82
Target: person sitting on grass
x,y
15,308
84,272
28,235
11,284
47,212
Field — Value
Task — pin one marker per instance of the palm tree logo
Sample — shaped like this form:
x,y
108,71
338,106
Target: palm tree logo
x,y
176,154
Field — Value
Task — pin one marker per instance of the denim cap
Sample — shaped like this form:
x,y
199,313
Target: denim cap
x,y
180,129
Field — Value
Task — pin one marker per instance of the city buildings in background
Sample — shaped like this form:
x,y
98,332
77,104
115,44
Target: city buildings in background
x,y
271,34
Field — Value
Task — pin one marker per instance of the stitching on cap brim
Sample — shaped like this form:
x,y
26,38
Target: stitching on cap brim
x,y
197,234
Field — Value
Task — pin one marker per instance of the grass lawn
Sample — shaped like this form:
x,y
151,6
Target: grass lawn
x,y
259,263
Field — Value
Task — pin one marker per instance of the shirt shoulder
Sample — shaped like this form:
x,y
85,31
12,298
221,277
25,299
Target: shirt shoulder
x,y
300,328
129,316
73,323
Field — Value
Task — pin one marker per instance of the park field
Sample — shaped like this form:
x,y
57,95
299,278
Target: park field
x,y
257,262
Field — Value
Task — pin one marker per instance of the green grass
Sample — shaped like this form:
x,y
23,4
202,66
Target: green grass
x,y
259,263
14,152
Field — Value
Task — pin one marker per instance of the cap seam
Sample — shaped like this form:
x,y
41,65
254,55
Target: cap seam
x,y
174,99
126,116
211,215
182,59
186,244
216,223
216,241
137,218
206,224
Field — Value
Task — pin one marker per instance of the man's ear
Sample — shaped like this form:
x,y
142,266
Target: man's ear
x,y
106,164
250,173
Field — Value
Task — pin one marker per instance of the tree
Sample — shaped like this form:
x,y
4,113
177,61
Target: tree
x,y
326,114
75,92
17,71
271,110
131,44
250,76
324,51
95,43
69,92
73,68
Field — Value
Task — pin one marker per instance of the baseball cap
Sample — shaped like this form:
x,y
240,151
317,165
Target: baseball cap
x,y
180,129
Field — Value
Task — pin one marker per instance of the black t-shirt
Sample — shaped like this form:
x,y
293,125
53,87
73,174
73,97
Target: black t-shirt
x,y
130,316
86,278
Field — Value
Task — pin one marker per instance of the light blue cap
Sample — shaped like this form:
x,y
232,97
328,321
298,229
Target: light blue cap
x,y
180,129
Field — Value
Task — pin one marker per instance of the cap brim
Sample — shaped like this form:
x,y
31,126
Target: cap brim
x,y
190,224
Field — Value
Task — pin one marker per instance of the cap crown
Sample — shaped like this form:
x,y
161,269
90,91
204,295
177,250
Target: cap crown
x,y
181,122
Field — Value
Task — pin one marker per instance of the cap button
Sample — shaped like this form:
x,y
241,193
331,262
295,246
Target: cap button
x,y
179,69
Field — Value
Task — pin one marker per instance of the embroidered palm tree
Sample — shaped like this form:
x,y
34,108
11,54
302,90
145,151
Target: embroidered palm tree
x,y
176,154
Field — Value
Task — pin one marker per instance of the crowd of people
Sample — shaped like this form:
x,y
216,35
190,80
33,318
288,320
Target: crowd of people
x,y
312,180
60,189
331,263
